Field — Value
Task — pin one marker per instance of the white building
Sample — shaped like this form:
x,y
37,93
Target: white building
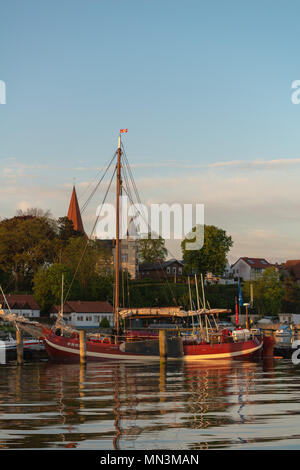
x,y
249,269
289,318
21,304
85,314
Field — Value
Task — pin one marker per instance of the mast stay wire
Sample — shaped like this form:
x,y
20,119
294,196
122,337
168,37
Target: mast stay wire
x,y
84,206
127,167
88,238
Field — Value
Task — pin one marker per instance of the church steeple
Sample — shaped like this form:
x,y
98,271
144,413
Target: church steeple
x,y
74,212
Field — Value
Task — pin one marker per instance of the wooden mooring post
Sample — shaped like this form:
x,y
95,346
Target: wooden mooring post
x,y
162,345
82,344
20,349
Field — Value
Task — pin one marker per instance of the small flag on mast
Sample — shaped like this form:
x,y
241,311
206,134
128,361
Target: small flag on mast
x,y
123,130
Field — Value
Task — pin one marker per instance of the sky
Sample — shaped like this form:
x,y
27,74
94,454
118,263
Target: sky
x,y
204,88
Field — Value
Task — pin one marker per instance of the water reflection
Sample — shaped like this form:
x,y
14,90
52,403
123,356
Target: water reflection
x,y
133,406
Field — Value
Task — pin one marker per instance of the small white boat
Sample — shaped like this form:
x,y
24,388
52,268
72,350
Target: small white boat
x,y
7,342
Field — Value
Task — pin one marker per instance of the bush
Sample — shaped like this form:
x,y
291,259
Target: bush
x,y
104,323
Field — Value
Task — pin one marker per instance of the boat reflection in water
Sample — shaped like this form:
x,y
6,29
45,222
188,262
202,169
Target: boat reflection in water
x,y
125,406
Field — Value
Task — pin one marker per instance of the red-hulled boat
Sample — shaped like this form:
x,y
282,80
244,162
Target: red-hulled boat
x,y
202,343
197,344
67,349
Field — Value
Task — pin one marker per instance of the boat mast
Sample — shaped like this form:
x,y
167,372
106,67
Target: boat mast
x,y
191,303
117,252
198,301
62,298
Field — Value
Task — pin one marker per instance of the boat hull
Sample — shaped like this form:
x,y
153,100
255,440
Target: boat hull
x,y
62,349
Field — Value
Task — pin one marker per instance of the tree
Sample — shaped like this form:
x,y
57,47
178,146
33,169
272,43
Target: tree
x,y
291,298
83,257
66,229
152,250
213,254
26,243
104,323
47,285
268,292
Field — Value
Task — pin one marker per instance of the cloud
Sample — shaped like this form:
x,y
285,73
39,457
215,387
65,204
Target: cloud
x,y
259,209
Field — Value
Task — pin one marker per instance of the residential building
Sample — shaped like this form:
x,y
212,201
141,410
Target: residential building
x,y
172,268
290,318
21,304
85,313
249,268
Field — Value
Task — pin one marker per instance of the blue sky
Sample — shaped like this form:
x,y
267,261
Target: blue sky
x,y
204,89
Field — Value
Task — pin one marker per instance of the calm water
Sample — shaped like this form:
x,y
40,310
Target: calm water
x,y
137,406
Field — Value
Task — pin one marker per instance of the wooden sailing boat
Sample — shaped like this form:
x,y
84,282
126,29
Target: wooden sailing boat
x,y
65,346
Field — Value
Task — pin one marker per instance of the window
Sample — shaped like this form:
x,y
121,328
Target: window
x,y
174,270
179,270
168,270
124,258
79,317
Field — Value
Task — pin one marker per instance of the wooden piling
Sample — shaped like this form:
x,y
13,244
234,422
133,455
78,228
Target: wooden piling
x,y
19,338
82,343
162,345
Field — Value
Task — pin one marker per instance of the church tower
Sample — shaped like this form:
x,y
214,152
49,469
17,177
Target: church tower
x,y
74,213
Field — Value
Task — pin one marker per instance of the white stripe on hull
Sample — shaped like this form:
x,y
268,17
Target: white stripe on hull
x,y
124,356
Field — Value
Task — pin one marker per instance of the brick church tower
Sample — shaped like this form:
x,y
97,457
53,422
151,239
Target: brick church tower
x,y
74,213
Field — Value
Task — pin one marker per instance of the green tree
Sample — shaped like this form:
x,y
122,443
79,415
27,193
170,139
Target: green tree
x,y
291,298
83,257
152,250
213,254
268,292
66,229
47,286
26,243
104,323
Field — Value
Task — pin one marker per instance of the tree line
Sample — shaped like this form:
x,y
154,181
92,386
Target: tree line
x,y
37,249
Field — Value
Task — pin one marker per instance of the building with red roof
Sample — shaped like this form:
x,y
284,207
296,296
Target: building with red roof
x,y
249,268
85,313
21,304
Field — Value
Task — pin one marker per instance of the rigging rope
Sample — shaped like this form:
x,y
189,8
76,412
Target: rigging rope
x,y
86,245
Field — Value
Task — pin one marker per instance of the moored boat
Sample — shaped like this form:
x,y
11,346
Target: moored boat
x,y
206,341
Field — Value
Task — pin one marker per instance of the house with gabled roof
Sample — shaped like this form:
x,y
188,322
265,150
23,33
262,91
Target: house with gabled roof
x,y
171,268
85,313
21,304
249,268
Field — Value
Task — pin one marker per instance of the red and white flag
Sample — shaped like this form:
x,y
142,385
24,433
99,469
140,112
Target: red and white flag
x,y
123,130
